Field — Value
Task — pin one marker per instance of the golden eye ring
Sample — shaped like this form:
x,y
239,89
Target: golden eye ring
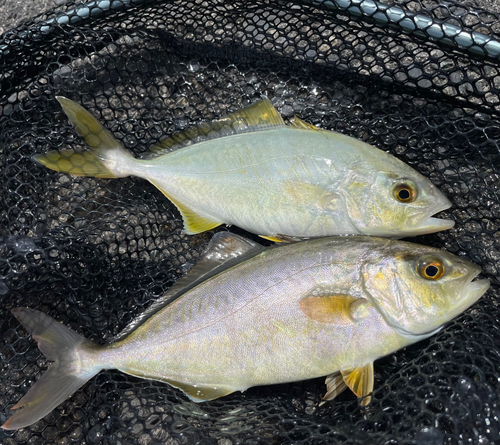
x,y
431,270
405,192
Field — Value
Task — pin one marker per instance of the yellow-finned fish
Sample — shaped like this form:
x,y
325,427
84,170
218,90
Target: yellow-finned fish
x,y
324,307
276,180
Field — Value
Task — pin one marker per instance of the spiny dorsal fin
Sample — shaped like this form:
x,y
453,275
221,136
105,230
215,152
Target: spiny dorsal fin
x,y
259,116
224,251
360,381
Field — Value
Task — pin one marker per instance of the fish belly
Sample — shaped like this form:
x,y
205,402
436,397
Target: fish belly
x,y
280,181
245,327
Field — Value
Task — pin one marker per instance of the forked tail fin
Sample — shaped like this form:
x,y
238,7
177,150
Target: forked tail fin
x,y
64,376
107,159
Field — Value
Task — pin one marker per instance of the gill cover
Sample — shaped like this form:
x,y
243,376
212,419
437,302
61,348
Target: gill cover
x,y
406,308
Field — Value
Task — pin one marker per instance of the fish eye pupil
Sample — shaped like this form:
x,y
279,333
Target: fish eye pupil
x,y
404,194
431,271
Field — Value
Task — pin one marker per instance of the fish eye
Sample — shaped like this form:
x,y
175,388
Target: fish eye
x,y
405,192
431,269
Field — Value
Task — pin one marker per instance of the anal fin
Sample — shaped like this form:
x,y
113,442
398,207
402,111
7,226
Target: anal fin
x,y
197,393
193,222
360,381
202,393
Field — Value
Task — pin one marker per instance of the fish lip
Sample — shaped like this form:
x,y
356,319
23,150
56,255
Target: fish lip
x,y
437,224
430,224
473,289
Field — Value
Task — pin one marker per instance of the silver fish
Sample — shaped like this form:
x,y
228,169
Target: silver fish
x,y
276,180
248,316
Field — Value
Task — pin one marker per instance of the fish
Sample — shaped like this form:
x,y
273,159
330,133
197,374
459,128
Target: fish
x,y
279,181
247,316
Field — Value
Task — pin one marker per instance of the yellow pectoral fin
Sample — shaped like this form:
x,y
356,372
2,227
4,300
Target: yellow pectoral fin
x,y
329,308
360,381
193,222
303,194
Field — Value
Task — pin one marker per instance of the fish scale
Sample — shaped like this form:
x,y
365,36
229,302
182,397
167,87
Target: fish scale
x,y
323,307
272,179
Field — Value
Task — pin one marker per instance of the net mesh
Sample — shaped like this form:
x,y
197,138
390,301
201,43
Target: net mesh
x,y
94,253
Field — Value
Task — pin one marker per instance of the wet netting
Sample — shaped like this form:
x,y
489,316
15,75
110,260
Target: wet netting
x,y
420,79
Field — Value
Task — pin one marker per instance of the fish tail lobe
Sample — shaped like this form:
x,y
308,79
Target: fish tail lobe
x,y
107,159
64,376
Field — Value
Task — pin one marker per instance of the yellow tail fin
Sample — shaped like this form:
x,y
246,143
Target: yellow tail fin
x,y
106,158
78,164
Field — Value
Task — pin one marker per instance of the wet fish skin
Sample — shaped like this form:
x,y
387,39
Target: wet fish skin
x,y
321,307
267,177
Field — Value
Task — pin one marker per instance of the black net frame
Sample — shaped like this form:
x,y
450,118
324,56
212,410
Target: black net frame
x,y
95,253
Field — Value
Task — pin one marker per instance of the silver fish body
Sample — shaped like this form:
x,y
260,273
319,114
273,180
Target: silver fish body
x,y
322,307
268,178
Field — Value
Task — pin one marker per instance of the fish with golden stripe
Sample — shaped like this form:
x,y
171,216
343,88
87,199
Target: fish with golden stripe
x,y
247,316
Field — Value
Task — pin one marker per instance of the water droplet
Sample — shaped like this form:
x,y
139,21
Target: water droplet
x,y
430,436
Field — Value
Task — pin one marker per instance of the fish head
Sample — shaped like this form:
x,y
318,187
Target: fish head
x,y
418,288
396,204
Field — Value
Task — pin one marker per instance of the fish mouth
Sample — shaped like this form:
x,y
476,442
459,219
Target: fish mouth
x,y
473,290
433,224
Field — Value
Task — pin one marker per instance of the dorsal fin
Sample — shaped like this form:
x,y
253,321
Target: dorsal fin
x,y
303,125
224,251
259,116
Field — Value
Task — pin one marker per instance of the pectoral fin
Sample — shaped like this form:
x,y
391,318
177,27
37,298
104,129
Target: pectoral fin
x,y
328,308
305,194
360,381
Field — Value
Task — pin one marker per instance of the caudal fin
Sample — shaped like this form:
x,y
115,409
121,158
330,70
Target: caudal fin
x,y
64,376
107,159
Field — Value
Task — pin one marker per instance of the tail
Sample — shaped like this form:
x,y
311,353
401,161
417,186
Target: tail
x,y
107,159
64,376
